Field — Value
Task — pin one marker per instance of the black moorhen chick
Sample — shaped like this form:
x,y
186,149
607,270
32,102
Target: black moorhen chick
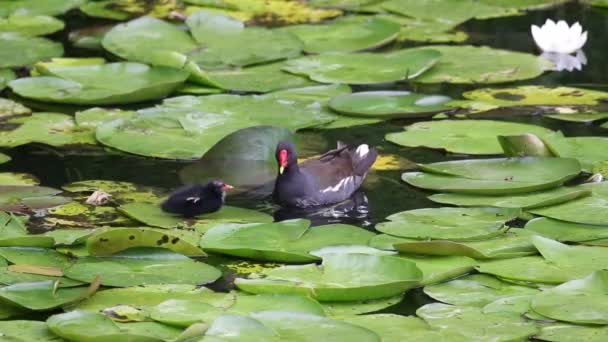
x,y
193,200
331,178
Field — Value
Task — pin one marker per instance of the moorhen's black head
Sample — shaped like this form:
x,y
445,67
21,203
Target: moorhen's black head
x,y
218,186
286,155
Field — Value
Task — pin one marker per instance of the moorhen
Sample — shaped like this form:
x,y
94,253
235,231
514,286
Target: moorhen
x,y
331,178
193,200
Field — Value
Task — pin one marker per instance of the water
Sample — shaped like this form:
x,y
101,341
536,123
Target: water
x,y
384,191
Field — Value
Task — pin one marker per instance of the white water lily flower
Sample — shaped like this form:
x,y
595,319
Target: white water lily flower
x,y
560,38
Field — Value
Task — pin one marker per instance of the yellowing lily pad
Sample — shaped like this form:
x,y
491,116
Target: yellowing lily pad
x,y
536,95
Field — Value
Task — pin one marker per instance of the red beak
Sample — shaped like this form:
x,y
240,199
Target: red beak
x,y
227,187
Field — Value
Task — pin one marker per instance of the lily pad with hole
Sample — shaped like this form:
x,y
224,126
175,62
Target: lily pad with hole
x,y
341,277
494,176
195,124
474,65
436,269
389,104
87,326
529,200
448,223
137,267
217,41
110,241
346,34
286,241
363,68
22,330
476,325
462,136
585,210
43,295
562,332
13,232
393,328
46,128
566,231
475,290
20,50
30,25
515,243
152,215
123,82
581,301
537,95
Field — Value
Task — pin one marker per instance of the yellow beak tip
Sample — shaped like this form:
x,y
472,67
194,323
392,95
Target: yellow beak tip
x,y
281,169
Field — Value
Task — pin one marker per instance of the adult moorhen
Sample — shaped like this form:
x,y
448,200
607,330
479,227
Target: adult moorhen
x,y
193,200
331,178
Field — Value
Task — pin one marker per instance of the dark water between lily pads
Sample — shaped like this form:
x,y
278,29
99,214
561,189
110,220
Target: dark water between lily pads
x,y
384,191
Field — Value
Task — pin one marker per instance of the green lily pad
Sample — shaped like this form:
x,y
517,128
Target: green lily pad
x,y
286,241
80,214
337,309
70,237
476,325
346,34
30,25
195,124
263,78
11,178
8,277
6,75
93,117
513,244
582,258
149,296
475,290
4,158
436,269
362,68
581,301
217,41
588,150
14,233
20,50
143,267
462,136
123,83
427,30
341,277
393,328
529,200
343,4
388,104
96,327
532,269
43,295
494,176
152,215
110,241
536,95
566,231
34,256
9,108
21,331
452,12
585,210
34,7
561,332
468,64
578,117
319,93
447,223
45,128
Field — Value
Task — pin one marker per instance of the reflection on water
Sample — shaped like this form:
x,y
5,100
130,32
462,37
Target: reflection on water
x,y
565,62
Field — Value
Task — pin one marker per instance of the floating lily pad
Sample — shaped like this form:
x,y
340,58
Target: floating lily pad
x,y
476,325
286,241
11,178
152,215
125,9
536,95
9,108
319,93
578,117
217,41
15,275
6,75
389,104
33,256
447,223
428,30
561,332
453,12
363,68
468,64
69,237
393,328
585,259
525,201
513,244
30,25
436,269
263,78
341,277
93,117
34,7
588,150
475,290
532,269
585,210
143,267
462,136
43,295
4,158
77,214
45,128
581,301
494,176
20,50
123,83
115,240
26,331
87,326
346,34
566,231
14,233
337,309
